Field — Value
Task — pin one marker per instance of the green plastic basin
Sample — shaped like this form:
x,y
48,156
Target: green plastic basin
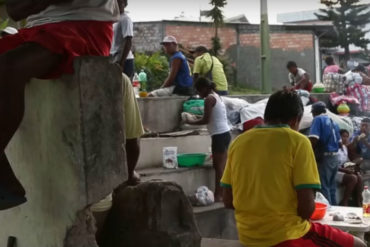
x,y
318,90
190,160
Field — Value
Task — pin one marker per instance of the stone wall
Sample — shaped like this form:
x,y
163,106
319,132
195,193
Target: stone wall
x,y
68,153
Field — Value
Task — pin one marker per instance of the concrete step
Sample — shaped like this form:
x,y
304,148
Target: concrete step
x,y
152,148
208,242
188,178
215,221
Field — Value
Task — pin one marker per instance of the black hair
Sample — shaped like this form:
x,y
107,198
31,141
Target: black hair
x,y
203,82
284,106
291,64
365,120
201,49
329,60
318,111
360,68
343,131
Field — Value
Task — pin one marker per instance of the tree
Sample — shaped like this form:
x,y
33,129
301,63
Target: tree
x,y
349,19
218,19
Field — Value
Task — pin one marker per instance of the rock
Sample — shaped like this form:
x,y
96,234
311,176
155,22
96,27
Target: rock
x,y
155,214
82,233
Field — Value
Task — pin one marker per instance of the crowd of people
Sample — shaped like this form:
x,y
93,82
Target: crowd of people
x,y
269,173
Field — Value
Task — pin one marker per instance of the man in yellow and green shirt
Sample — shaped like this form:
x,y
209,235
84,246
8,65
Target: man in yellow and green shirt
x,y
270,178
206,65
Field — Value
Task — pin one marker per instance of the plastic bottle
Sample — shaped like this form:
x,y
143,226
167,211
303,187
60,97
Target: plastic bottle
x,y
143,80
366,202
136,85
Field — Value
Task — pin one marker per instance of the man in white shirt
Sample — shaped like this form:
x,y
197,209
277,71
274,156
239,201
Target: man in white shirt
x,y
122,42
57,32
298,77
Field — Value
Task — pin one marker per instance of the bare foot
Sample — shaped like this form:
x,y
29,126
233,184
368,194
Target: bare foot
x,y
218,198
134,180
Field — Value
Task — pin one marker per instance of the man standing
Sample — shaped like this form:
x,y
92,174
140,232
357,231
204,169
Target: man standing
x,y
326,141
298,77
57,32
270,178
209,66
122,42
179,81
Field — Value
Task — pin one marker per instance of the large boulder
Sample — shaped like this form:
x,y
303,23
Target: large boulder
x,y
155,214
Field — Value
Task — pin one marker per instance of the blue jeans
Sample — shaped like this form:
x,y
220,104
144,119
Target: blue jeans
x,y
328,168
222,93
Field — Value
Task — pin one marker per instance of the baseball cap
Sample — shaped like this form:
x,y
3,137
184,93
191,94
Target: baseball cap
x,y
10,30
169,39
319,107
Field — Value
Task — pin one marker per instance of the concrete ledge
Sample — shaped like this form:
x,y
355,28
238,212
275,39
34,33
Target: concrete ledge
x,y
215,221
152,148
68,152
188,178
163,114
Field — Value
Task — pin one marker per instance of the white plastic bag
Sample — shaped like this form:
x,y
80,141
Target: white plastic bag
x,y
322,199
204,196
170,157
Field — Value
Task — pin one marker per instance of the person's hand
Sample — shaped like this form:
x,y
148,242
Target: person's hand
x,y
361,137
349,172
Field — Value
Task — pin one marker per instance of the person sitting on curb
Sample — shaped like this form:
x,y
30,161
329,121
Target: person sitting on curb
x,y
349,178
360,144
270,178
57,32
298,77
179,81
206,65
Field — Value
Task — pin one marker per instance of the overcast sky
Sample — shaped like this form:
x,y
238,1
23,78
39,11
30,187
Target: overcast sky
x,y
149,10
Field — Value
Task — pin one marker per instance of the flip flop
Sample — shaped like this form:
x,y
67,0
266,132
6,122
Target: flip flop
x,y
9,200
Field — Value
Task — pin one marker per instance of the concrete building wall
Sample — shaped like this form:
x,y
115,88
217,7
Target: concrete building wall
x,y
68,153
192,36
240,43
148,36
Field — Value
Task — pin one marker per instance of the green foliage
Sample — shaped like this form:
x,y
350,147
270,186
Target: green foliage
x,y
229,69
349,19
156,66
216,46
217,16
3,24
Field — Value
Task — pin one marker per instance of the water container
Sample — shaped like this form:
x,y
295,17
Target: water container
x,y
366,202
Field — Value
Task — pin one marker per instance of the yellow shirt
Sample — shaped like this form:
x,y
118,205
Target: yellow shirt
x,y
265,167
133,124
202,66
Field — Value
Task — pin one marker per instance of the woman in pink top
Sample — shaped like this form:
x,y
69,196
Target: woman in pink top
x,y
332,67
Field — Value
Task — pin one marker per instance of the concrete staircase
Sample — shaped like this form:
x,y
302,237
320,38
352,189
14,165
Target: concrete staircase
x,y
213,221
